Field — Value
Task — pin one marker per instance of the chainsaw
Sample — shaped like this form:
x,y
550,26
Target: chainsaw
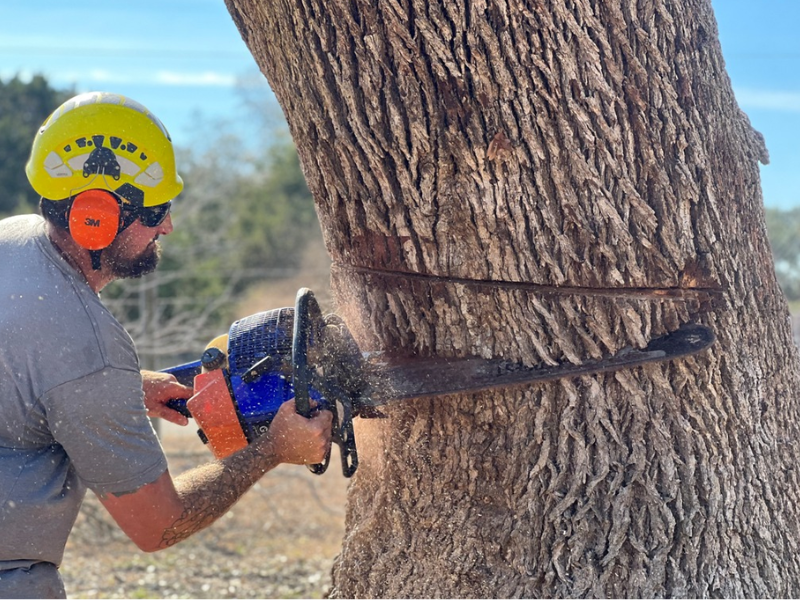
x,y
268,358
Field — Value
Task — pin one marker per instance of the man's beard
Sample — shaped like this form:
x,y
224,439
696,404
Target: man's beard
x,y
123,267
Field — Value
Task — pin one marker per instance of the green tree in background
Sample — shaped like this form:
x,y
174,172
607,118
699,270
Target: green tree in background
x,y
23,108
784,237
273,212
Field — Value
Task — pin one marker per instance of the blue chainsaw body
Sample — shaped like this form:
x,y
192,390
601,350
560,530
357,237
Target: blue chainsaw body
x,y
264,339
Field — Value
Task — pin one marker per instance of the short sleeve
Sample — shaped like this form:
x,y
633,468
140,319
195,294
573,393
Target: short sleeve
x,y
101,422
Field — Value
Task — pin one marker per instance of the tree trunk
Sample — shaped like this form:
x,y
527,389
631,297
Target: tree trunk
x,y
548,181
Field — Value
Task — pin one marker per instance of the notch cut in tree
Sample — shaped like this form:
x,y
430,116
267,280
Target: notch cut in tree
x,y
548,181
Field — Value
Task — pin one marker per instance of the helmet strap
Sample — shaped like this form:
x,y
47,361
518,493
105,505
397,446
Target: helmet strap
x,y
126,219
95,256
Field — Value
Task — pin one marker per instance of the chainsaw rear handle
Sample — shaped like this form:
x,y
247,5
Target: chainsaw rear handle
x,y
185,375
213,358
306,315
186,372
179,405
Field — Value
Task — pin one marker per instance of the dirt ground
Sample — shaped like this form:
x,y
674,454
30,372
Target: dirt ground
x,y
279,541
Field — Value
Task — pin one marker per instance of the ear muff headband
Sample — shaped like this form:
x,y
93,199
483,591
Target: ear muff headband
x,y
94,219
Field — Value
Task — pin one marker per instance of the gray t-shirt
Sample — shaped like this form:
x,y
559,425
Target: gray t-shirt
x,y
71,402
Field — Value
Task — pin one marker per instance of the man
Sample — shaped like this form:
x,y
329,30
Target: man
x,y
74,403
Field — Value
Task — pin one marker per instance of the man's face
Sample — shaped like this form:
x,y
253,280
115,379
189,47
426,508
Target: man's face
x,y
136,251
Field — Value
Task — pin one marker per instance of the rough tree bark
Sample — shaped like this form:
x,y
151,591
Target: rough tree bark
x,y
548,180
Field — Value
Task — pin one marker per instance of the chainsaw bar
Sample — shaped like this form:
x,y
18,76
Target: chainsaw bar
x,y
391,379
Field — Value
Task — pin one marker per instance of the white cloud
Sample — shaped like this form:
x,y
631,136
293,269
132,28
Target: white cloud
x,y
207,78
166,78
105,76
776,100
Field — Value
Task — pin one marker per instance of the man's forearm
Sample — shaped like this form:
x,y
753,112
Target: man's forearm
x,y
167,511
208,491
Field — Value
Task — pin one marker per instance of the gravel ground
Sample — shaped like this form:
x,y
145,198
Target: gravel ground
x,y
279,541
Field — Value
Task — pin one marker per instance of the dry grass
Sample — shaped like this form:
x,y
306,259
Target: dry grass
x,y
314,274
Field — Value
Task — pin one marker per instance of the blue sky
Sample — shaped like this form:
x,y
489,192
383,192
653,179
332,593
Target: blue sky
x,y
184,59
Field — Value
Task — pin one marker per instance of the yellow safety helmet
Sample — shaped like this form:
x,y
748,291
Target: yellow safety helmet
x,y
104,141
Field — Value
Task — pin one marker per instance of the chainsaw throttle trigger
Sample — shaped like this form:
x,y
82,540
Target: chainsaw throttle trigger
x,y
179,405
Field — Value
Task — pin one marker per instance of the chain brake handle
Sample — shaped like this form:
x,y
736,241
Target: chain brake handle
x,y
308,326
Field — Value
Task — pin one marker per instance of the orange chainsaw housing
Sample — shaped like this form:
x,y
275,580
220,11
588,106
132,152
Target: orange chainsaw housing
x,y
213,410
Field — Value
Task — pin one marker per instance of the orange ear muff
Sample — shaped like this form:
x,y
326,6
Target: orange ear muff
x,y
94,219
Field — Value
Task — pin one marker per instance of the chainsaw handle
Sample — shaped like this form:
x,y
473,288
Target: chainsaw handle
x,y
306,315
306,311
186,372
179,405
185,375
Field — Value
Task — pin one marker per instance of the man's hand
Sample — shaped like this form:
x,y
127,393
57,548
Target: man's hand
x,y
160,388
297,440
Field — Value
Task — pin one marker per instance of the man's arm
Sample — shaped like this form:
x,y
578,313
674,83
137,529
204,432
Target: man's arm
x,y
167,511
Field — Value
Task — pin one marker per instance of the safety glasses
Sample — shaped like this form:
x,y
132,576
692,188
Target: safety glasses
x,y
150,216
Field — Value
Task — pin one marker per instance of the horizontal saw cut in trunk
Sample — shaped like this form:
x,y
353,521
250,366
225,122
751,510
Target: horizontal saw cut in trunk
x,y
541,183
389,379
